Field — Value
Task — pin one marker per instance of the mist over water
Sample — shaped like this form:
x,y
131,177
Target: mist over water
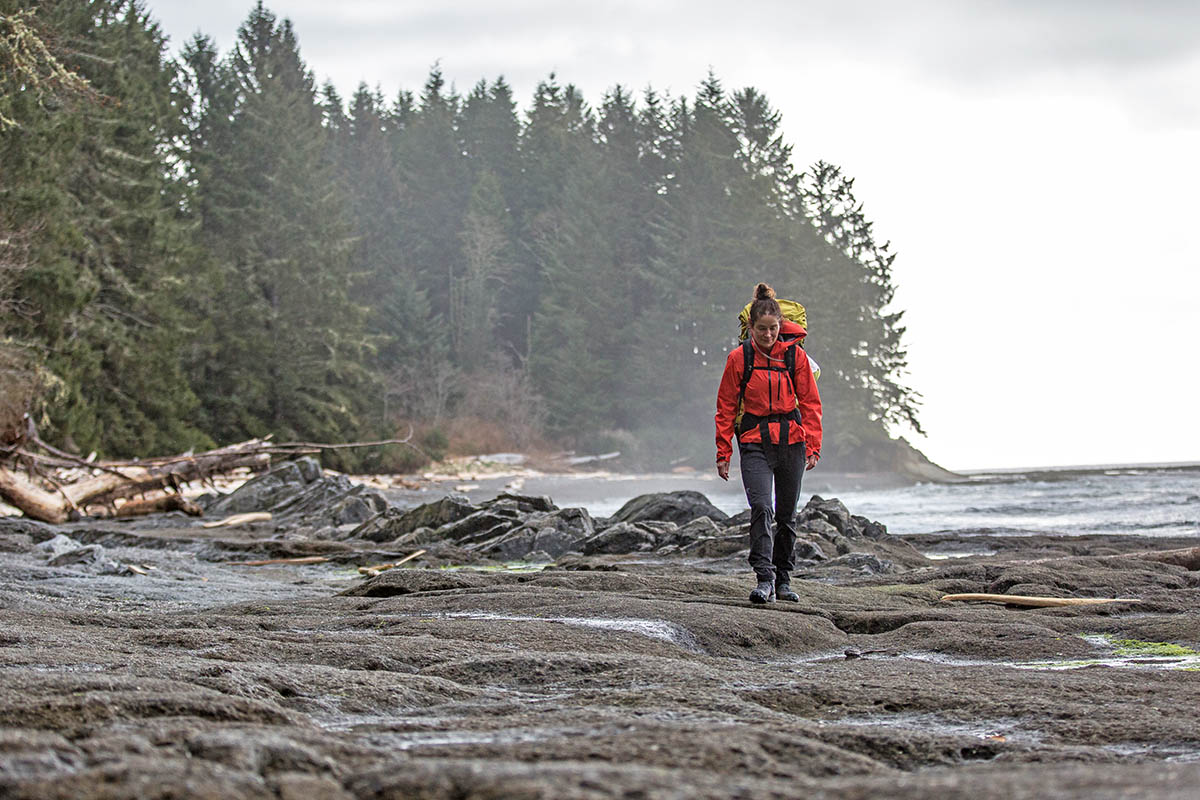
x,y
1150,502
1153,501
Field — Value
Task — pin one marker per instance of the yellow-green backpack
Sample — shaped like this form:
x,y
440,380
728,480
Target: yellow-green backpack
x,y
791,310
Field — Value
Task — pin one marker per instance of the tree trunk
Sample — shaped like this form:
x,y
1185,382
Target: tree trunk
x,y
31,500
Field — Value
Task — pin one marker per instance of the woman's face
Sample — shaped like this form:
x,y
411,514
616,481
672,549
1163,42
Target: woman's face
x,y
765,331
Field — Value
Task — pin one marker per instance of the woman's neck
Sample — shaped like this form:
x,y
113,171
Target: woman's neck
x,y
767,350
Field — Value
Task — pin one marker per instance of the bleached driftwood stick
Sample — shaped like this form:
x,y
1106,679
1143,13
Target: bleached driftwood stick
x,y
1036,602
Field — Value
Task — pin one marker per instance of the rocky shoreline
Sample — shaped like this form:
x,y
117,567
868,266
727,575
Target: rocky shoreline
x,y
534,651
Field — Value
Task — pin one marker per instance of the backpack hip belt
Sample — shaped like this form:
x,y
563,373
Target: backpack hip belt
x,y
750,421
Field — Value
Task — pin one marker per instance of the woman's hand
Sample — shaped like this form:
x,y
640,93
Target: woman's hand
x,y
723,470
811,460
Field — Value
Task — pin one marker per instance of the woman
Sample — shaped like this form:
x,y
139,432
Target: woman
x,y
779,436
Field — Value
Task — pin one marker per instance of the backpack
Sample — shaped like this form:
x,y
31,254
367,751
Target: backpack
x,y
791,311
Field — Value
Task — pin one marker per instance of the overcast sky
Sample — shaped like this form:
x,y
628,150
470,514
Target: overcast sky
x,y
1035,164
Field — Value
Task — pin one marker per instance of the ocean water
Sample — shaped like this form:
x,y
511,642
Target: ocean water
x,y
1148,501
1143,500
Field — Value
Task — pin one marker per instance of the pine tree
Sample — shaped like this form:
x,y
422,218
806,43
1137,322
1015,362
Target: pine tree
x,y
700,263
317,270
287,352
874,356
92,179
436,186
557,131
489,128
485,266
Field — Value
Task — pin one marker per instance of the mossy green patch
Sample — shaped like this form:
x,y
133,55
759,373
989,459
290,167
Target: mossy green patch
x,y
1135,647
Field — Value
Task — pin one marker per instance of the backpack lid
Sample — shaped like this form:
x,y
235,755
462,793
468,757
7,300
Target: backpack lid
x,y
792,311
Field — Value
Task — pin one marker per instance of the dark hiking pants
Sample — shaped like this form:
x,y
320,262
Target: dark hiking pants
x,y
772,552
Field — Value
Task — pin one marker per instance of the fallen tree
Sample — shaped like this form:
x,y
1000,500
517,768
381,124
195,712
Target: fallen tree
x,y
53,486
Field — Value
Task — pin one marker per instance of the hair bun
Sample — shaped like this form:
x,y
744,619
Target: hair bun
x,y
764,292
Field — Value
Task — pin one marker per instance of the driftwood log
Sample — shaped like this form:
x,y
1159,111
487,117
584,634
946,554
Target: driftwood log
x,y
120,480
1036,602
32,476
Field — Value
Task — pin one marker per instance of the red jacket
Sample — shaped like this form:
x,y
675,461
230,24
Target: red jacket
x,y
769,393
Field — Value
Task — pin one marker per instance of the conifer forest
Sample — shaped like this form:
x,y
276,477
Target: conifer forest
x,y
199,247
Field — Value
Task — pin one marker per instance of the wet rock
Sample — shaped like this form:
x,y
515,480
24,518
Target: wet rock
x,y
393,523
257,751
37,531
807,551
820,527
697,528
741,518
58,545
89,556
310,468
15,542
357,509
679,507
866,563
623,537
301,786
299,491
480,526
993,639
553,532
29,755
525,504
869,528
336,498
611,676
832,511
680,539
264,491
418,537
406,581
717,546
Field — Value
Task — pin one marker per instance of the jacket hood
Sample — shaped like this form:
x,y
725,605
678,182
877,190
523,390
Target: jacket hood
x,y
792,329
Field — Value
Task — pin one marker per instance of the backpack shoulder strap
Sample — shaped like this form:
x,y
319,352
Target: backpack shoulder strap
x,y
789,360
747,368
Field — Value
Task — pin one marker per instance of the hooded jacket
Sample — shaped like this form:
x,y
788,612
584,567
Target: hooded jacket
x,y
770,393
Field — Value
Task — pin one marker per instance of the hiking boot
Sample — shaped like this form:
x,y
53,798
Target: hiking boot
x,y
784,592
764,592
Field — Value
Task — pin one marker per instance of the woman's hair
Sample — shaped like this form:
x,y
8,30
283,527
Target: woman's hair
x,y
764,303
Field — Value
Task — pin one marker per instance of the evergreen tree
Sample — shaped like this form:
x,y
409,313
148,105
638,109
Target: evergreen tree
x,y
593,257
320,270
287,354
702,257
484,269
489,128
557,132
436,187
872,358
92,181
